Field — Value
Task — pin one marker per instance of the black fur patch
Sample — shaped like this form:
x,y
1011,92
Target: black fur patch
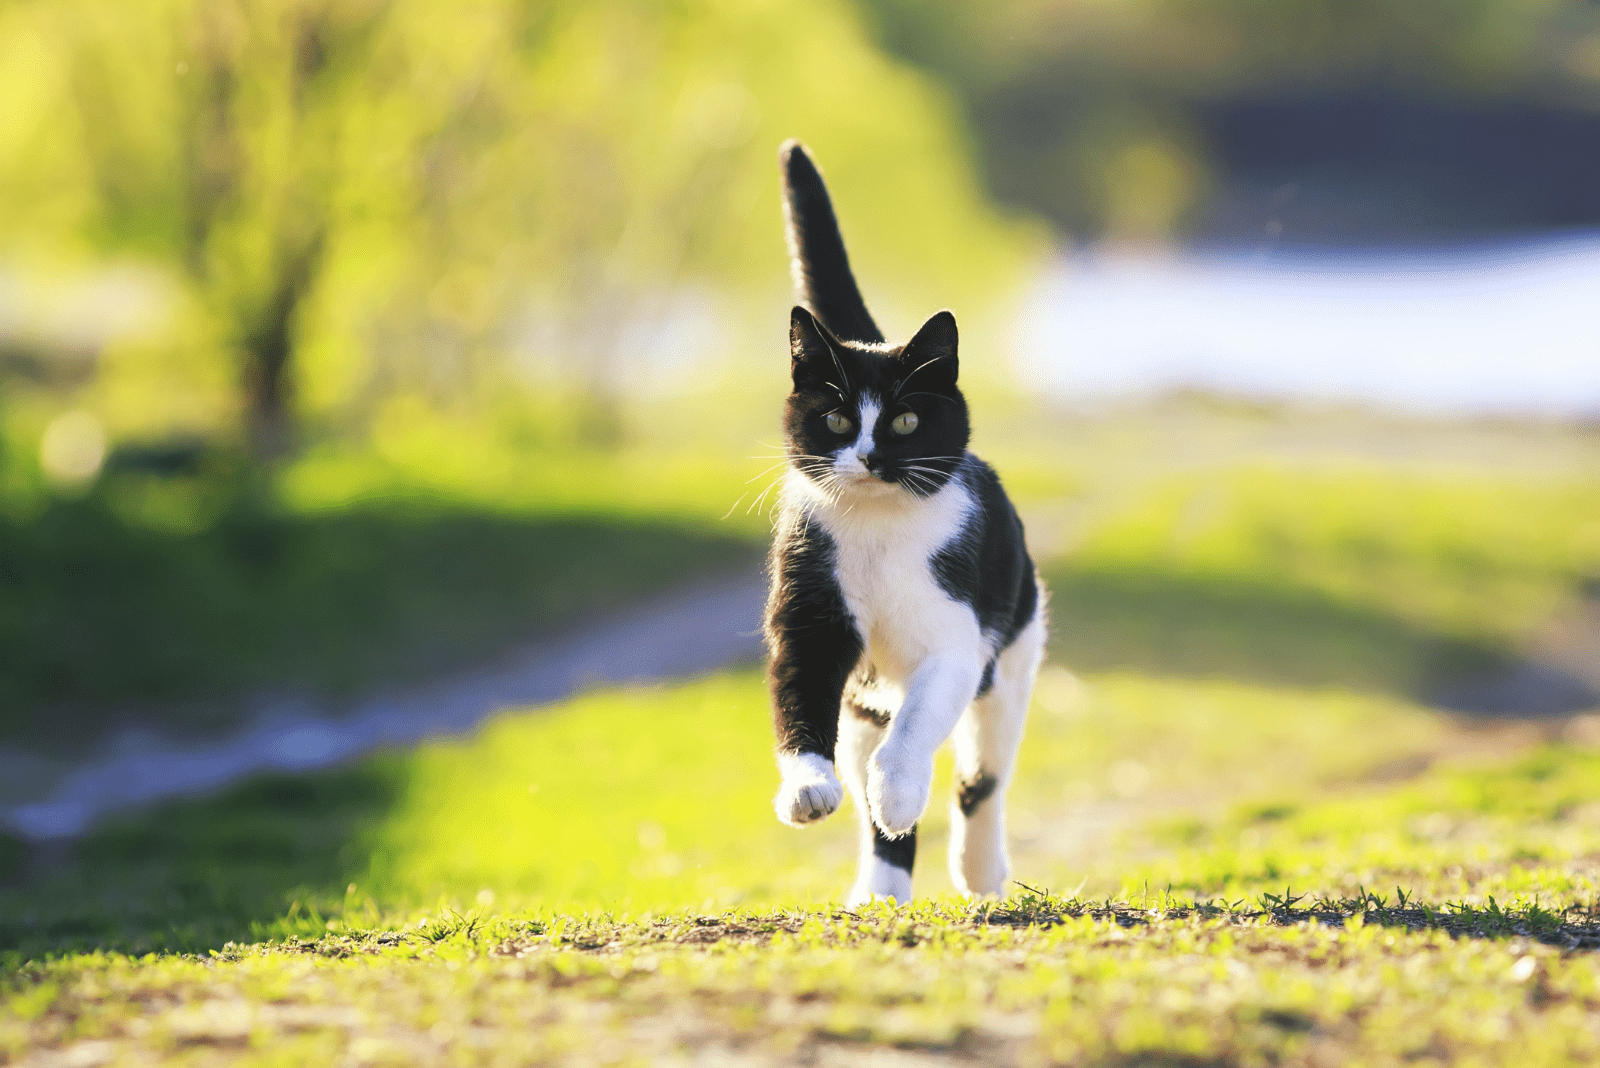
x,y
986,683
812,639
822,277
871,715
865,700
833,376
975,791
987,565
900,852
837,356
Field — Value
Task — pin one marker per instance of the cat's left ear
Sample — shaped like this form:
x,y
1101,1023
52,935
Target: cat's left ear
x,y
931,354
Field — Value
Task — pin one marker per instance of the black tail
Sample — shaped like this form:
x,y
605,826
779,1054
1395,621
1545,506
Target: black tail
x,y
822,278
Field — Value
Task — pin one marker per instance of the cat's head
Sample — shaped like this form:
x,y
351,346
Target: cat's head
x,y
875,419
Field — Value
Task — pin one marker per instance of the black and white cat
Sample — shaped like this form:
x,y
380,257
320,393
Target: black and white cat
x,y
904,608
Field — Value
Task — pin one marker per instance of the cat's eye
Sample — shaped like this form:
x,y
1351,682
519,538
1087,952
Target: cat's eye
x,y
904,423
838,423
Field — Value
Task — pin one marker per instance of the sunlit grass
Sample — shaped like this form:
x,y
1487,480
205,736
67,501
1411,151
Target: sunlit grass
x,y
444,541
630,800
604,878
1465,555
1352,577
636,800
1247,840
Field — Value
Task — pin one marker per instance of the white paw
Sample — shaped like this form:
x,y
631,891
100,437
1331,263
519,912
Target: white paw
x,y
880,882
897,791
865,895
978,863
982,877
810,789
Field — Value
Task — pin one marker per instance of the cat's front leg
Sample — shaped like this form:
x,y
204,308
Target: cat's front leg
x,y
814,646
900,773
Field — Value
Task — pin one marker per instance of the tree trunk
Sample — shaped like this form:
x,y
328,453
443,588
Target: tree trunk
x,y
268,358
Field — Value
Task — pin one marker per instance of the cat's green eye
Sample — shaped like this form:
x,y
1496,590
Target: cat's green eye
x,y
838,423
904,423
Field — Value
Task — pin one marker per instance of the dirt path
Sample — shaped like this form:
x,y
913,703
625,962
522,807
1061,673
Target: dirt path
x,y
684,633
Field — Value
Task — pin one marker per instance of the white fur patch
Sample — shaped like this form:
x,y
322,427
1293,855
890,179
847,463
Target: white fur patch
x,y
884,539
810,790
879,880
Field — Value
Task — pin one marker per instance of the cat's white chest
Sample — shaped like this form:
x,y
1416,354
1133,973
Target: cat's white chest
x,y
883,560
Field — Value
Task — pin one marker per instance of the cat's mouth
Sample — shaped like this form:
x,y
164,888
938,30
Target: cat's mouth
x,y
871,481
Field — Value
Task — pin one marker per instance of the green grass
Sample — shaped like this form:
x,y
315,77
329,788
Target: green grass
x,y
1031,981
1467,554
1240,837
1296,876
153,594
439,546
598,802
1353,577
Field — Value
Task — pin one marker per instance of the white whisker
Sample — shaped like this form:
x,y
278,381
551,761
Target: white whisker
x,y
769,467
839,364
913,374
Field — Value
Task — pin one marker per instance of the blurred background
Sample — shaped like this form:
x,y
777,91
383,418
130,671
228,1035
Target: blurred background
x,y
351,345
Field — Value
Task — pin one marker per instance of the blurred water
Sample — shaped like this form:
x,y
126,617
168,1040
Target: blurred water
x,y
1508,328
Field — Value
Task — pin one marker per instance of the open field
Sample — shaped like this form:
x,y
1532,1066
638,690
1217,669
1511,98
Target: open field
x,y
1246,832
1281,876
1339,548
392,408
169,600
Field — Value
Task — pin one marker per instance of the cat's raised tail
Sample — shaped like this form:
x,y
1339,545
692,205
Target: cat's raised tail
x,y
822,278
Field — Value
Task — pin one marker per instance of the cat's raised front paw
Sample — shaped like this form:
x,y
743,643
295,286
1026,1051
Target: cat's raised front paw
x,y
897,792
810,789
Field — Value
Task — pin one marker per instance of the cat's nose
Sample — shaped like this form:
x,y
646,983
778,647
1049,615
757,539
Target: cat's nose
x,y
874,465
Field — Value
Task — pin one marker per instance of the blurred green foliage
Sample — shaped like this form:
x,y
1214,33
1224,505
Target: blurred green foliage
x,y
184,581
355,201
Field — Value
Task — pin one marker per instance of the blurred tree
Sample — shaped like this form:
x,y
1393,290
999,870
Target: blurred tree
x,y
372,199
208,138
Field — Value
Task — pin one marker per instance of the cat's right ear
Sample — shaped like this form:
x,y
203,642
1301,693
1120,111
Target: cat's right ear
x,y
813,358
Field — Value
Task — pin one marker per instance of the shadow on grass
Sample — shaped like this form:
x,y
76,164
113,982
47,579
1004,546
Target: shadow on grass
x,y
271,857
101,613
1185,625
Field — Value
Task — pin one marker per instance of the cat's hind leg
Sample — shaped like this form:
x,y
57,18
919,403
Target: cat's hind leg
x,y
885,865
986,741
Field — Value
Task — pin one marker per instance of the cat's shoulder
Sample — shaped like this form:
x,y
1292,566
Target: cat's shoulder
x,y
982,483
